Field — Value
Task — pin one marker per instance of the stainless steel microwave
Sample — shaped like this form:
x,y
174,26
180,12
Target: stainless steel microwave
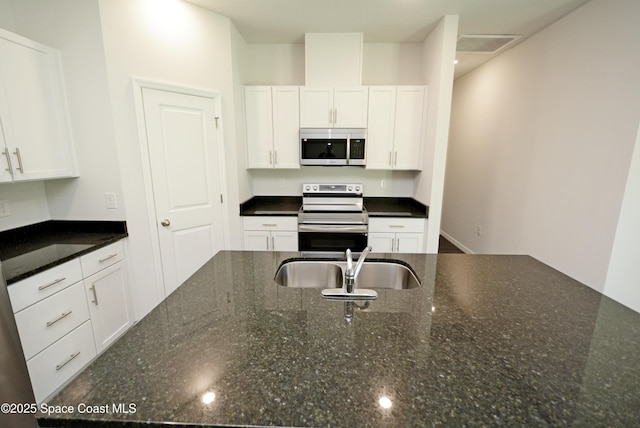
x,y
333,146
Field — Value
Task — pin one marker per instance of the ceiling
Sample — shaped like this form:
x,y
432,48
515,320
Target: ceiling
x,y
389,21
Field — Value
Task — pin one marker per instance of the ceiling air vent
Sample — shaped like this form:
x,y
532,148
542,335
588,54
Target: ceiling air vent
x,y
484,43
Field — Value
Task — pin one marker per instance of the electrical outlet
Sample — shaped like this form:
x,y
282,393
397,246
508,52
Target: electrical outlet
x,y
478,230
4,208
111,201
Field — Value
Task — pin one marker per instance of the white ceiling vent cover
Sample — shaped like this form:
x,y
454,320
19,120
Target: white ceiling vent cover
x,y
484,43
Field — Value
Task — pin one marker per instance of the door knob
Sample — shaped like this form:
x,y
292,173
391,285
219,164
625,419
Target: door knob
x,y
165,222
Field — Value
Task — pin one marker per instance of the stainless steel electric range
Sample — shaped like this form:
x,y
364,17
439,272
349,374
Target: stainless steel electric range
x,y
332,218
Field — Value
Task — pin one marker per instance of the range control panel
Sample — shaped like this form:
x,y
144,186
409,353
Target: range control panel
x,y
338,189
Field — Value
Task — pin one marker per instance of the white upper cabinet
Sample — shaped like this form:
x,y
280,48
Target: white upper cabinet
x,y
329,107
35,134
395,132
272,124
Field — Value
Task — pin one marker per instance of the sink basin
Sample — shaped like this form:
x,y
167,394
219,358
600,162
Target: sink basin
x,y
387,275
309,274
375,274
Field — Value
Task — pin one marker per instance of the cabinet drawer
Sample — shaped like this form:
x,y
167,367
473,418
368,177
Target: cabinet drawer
x,y
58,363
45,322
102,258
37,287
391,224
270,223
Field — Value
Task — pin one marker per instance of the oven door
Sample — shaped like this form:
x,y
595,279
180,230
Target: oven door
x,y
332,238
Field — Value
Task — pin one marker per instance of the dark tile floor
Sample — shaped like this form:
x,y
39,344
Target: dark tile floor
x,y
446,246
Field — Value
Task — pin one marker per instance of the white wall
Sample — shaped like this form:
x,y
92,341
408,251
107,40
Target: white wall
x,y
289,182
27,204
541,142
438,55
623,276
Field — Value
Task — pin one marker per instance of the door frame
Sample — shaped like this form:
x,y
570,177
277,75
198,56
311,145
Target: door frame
x,y
138,85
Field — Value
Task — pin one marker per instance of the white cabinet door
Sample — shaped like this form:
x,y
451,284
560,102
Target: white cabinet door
x,y
286,127
327,107
408,135
381,129
284,241
256,240
109,304
350,107
33,111
316,107
5,155
409,243
382,242
258,118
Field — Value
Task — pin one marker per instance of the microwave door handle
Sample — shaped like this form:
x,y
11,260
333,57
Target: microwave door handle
x,y
348,148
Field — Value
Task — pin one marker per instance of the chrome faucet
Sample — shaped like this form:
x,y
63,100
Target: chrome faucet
x,y
352,271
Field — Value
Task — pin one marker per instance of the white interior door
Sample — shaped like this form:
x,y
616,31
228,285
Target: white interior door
x,y
183,154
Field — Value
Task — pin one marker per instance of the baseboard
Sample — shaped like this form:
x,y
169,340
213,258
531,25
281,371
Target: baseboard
x,y
456,242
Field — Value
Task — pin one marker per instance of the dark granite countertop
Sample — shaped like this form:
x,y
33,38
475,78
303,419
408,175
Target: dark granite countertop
x,y
376,206
485,341
28,250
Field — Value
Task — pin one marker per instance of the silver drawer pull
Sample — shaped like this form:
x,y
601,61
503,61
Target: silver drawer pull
x,y
396,226
269,224
20,167
64,315
107,258
67,361
95,295
57,281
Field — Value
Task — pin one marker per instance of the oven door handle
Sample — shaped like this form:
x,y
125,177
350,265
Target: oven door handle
x,y
350,228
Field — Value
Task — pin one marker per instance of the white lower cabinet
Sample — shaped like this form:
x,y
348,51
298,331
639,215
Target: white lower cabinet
x,y
68,314
397,235
109,304
270,233
58,363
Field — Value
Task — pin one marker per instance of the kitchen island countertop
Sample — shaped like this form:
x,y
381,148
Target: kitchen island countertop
x,y
486,340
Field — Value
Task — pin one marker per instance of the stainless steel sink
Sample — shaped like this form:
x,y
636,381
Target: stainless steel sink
x,y
375,274
386,275
309,274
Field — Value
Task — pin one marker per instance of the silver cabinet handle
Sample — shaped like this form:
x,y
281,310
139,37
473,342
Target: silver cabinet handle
x,y
275,157
395,161
20,167
393,245
390,155
397,245
270,157
273,243
95,295
335,116
8,156
63,316
110,256
267,242
269,224
396,226
67,361
165,222
56,281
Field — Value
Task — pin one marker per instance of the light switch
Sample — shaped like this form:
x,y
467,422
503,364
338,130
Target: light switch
x,y
112,202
